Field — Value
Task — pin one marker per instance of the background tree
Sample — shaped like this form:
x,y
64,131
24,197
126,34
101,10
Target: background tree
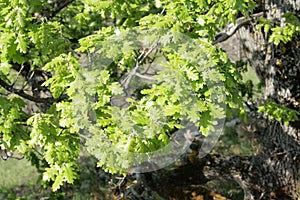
x,y
270,47
46,47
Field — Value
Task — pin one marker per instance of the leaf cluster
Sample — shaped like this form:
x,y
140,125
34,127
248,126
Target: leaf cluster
x,y
279,33
281,113
91,52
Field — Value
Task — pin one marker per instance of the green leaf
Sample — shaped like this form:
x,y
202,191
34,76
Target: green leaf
x,y
22,43
5,68
69,173
58,181
49,174
116,88
192,74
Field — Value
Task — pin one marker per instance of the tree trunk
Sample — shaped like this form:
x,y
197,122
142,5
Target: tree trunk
x,y
278,67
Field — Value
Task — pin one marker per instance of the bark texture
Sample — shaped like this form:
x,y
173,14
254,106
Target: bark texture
x,y
278,67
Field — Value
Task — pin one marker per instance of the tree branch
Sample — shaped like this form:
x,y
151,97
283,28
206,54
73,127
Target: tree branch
x,y
29,97
232,28
49,14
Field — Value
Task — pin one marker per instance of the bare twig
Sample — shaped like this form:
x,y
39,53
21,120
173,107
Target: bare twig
x,y
148,52
151,62
144,76
20,71
9,154
139,61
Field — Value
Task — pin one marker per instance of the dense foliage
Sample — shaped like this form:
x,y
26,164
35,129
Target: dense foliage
x,y
63,63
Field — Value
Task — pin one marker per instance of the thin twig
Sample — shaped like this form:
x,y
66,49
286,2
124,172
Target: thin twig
x,y
163,10
148,52
133,72
144,76
151,62
22,67
89,60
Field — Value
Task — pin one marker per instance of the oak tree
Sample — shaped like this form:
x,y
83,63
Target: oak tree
x,y
126,79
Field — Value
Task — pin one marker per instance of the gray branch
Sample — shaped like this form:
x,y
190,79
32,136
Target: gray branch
x,y
232,28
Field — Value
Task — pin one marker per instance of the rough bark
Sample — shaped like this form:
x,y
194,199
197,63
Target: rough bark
x,y
278,67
